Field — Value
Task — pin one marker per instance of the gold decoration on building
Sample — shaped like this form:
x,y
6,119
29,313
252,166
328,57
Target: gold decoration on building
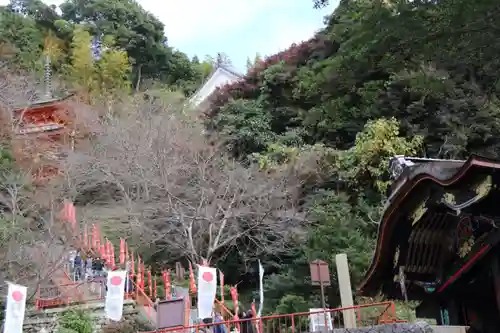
x,y
466,247
419,211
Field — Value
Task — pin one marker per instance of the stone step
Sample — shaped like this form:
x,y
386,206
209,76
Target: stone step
x,y
36,320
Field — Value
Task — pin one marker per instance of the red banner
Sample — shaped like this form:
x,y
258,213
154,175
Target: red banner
x,y
86,237
192,282
93,245
122,251
69,213
221,278
113,262
143,271
166,284
150,284
139,274
234,296
132,265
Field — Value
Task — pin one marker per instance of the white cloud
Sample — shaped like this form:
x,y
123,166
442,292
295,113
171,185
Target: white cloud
x,y
185,20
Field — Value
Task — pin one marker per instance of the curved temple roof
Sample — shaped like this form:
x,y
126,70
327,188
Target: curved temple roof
x,y
411,173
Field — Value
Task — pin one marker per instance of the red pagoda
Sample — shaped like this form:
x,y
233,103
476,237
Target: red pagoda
x,y
41,135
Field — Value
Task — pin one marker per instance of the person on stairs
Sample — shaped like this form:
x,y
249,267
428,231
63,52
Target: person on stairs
x,y
246,326
97,267
88,269
78,266
219,328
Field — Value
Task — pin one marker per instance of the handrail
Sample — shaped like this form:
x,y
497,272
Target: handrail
x,y
150,304
224,307
293,320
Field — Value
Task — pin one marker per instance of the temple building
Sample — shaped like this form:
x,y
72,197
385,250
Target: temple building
x,y
219,77
40,135
41,131
439,241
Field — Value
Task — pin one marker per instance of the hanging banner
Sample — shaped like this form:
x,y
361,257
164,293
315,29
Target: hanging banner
x,y
113,306
143,281
150,284
86,237
139,274
123,257
192,283
132,266
234,295
94,238
207,289
69,213
167,284
261,289
15,308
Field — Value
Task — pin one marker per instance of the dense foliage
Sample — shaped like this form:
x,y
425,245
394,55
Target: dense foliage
x,y
75,321
384,77
29,26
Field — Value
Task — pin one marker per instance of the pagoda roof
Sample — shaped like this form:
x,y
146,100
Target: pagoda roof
x,y
412,176
42,103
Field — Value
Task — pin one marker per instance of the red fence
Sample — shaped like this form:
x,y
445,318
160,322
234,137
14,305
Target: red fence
x,y
366,315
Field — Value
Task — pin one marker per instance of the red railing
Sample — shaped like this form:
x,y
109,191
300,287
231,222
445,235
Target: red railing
x,y
143,301
366,315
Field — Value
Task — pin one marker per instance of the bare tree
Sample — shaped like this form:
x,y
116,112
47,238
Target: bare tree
x,y
152,174
33,242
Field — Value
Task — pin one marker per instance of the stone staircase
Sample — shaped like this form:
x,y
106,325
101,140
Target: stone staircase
x,y
66,286
35,320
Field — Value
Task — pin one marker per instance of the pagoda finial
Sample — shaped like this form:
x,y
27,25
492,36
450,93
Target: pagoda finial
x,y
47,77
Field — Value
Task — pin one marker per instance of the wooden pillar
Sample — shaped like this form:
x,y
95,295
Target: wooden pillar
x,y
495,269
345,290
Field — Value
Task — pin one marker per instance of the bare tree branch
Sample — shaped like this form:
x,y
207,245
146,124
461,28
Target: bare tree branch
x,y
33,243
155,177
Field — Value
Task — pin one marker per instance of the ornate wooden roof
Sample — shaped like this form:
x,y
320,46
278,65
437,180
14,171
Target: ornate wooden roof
x,y
40,103
427,205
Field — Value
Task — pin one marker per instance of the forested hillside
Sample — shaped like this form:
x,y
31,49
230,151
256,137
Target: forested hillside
x,y
292,165
30,28
383,78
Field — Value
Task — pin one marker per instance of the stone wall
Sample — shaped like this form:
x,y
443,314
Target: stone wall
x,y
418,327
35,321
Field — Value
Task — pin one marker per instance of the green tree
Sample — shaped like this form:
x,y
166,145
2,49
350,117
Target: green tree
x,y
53,48
135,30
113,69
44,15
340,229
81,71
23,35
205,68
367,162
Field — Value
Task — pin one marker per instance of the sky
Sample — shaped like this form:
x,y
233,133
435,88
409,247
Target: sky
x,y
239,28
